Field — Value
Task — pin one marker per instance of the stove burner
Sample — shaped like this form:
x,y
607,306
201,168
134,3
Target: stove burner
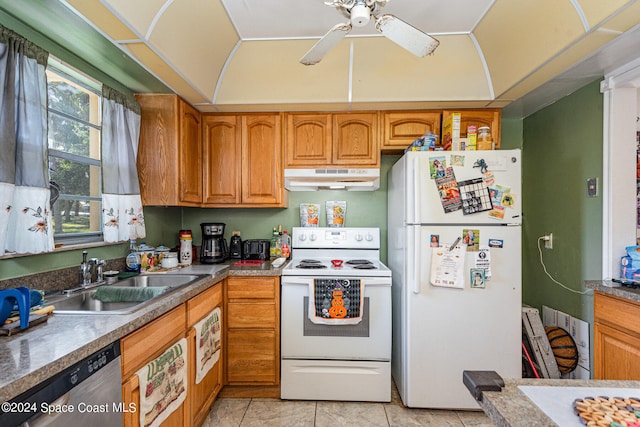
x,y
305,263
365,267
359,262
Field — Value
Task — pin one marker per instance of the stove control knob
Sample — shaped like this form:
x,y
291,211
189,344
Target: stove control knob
x,y
313,237
369,237
303,237
358,237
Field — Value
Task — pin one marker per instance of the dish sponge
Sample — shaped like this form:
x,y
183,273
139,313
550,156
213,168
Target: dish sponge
x,y
128,294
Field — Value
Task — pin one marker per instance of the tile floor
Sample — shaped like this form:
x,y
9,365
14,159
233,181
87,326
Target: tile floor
x,y
291,413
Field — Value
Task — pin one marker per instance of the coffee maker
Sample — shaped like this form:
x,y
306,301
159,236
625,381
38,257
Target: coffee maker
x,y
214,246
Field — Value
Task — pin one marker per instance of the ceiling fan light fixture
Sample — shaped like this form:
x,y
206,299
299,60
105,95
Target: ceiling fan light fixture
x,y
360,15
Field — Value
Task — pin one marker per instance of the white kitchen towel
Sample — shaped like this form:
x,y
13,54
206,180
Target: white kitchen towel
x,y
208,334
336,301
163,385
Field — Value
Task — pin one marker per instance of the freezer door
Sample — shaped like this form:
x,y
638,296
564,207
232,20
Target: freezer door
x,y
450,330
499,188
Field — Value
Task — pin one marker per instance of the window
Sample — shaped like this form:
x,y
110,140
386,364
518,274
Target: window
x,y
74,128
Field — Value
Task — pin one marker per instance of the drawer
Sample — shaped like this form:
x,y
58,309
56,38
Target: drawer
x,y
251,315
619,313
252,287
158,334
202,304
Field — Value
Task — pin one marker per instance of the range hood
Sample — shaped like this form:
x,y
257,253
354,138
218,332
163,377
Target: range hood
x,y
365,179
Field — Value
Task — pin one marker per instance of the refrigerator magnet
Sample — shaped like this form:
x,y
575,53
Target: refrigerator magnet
x,y
434,240
456,160
496,243
477,278
437,167
471,238
482,260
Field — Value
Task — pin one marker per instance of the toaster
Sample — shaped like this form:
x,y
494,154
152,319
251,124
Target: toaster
x,y
256,249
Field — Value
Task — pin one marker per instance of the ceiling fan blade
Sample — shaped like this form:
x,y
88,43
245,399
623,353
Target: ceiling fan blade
x,y
405,35
325,44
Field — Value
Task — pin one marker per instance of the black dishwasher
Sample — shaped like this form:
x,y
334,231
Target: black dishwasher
x,y
87,393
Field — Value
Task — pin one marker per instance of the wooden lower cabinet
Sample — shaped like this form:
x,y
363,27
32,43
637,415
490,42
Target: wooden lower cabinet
x,y
616,338
252,337
153,339
202,395
140,348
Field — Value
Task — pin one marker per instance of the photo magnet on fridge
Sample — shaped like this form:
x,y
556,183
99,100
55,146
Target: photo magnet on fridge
x,y
477,278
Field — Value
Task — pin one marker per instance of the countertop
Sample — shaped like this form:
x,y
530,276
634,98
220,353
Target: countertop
x,y
32,356
613,288
512,408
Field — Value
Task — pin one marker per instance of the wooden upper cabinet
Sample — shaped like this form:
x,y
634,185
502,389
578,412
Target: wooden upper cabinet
x,y
355,139
308,139
262,171
401,128
487,117
318,140
169,151
222,152
190,155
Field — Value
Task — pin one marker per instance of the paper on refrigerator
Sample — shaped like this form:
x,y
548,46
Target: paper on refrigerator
x,y
447,266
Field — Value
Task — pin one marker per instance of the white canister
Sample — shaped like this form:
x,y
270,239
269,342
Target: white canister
x,y
185,247
169,260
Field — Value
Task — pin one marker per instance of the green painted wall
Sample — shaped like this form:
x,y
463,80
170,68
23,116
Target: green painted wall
x,y
562,148
364,209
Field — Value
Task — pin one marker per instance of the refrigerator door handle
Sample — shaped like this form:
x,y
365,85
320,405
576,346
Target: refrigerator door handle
x,y
415,179
415,270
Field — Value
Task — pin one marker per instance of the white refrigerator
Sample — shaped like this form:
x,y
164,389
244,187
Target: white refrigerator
x,y
461,309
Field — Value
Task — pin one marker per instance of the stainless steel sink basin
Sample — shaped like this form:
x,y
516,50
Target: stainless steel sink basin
x,y
84,302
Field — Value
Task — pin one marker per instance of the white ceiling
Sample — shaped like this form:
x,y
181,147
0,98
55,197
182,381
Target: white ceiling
x,y
300,19
243,55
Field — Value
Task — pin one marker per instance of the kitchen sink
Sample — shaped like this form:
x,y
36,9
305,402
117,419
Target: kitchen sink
x,y
84,301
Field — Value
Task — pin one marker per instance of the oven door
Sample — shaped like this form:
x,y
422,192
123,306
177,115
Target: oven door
x,y
303,339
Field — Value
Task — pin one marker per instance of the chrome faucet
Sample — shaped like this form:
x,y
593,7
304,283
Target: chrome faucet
x,y
86,274
85,270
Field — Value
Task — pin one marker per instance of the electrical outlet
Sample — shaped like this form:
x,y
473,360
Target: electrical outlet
x,y
548,241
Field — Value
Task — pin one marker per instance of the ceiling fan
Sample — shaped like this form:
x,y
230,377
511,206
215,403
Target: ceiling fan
x,y
359,13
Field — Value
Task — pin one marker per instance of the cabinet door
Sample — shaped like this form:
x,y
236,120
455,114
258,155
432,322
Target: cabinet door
x,y
149,341
252,357
355,139
262,171
203,394
222,159
488,117
401,128
308,140
616,354
158,150
190,156
131,399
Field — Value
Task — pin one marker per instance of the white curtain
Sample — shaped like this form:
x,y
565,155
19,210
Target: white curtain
x,y
121,202
25,212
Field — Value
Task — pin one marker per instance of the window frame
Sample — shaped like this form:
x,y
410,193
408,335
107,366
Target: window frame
x,y
69,73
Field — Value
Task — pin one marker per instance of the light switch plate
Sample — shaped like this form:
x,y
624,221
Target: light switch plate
x,y
592,187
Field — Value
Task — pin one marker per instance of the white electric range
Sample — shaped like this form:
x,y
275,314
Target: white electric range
x,y
317,354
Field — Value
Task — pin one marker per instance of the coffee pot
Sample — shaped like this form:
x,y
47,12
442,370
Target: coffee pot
x,y
235,246
214,246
